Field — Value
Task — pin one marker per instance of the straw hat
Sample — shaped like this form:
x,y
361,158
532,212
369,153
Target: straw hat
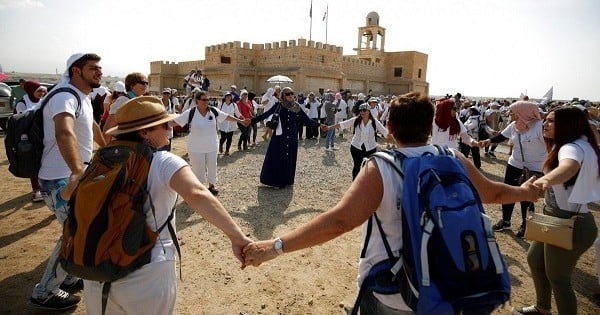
x,y
140,113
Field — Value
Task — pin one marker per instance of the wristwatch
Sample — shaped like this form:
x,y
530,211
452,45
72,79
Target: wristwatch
x,y
278,246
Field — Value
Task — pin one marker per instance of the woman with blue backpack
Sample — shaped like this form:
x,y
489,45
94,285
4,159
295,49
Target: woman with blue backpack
x,y
374,205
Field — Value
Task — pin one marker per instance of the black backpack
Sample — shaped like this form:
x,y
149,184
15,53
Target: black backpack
x,y
193,111
24,141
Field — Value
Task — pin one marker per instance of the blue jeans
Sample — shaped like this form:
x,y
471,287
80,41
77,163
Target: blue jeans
x,y
330,138
54,275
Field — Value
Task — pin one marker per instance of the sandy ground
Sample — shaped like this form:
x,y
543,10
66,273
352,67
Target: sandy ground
x,y
319,280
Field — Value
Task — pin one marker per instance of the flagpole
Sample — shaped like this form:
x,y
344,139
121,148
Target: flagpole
x,y
326,22
310,14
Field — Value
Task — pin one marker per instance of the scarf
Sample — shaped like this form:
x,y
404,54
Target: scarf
x,y
294,107
526,112
444,117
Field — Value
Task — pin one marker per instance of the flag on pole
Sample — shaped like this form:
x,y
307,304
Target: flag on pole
x,y
549,94
326,11
310,13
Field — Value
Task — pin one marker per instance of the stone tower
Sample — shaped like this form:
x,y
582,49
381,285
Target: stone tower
x,y
371,39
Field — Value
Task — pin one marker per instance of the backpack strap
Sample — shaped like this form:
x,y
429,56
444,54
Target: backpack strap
x,y
60,90
191,115
214,111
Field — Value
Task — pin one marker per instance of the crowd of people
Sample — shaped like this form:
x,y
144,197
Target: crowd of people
x,y
557,142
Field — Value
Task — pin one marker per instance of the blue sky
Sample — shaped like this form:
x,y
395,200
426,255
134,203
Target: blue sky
x,y
478,47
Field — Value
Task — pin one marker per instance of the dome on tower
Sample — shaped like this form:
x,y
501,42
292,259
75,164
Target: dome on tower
x,y
372,18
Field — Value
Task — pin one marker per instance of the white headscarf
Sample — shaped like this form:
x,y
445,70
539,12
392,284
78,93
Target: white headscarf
x,y
268,94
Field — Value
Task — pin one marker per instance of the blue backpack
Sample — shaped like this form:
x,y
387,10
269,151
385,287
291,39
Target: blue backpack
x,y
450,262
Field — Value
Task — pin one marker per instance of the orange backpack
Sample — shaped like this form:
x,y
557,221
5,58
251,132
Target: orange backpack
x,y
105,236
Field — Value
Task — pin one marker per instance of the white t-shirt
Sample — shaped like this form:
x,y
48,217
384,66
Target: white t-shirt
x,y
364,133
342,110
313,111
102,90
442,137
587,184
164,165
26,104
391,222
119,102
53,164
533,145
231,110
203,130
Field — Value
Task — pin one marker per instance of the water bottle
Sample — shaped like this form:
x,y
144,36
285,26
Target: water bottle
x,y
25,150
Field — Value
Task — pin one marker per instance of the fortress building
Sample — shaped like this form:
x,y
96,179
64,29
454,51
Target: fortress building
x,y
313,66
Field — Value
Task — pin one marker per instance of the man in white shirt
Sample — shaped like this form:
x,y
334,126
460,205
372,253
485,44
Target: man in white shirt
x,y
69,135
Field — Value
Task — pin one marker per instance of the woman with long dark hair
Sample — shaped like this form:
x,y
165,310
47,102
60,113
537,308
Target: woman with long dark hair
x,y
571,181
363,142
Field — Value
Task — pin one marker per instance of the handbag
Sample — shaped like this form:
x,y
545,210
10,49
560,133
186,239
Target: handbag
x,y
526,173
550,230
274,121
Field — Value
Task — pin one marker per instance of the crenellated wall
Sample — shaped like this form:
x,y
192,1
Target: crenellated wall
x,y
312,65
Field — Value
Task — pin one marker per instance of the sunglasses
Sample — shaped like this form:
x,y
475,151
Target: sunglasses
x,y
143,82
203,99
289,94
364,110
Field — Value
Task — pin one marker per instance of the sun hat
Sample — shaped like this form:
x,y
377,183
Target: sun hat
x,y
373,100
120,86
166,90
364,106
242,92
361,97
140,113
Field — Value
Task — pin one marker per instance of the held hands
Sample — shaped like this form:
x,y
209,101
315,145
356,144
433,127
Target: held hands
x,y
534,189
259,252
246,122
324,127
484,143
238,246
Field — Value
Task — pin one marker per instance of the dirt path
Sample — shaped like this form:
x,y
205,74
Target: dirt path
x,y
319,280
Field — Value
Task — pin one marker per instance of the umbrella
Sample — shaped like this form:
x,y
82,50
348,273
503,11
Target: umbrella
x,y
278,79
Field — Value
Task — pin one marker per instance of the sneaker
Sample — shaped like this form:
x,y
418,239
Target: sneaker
x,y
213,190
487,154
501,225
73,287
492,154
334,148
528,310
521,231
59,301
37,197
328,149
226,153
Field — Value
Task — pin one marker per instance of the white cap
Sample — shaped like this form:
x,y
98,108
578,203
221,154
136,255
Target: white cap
x,y
120,86
65,77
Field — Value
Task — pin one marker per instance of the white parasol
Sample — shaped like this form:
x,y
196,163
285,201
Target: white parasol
x,y
279,79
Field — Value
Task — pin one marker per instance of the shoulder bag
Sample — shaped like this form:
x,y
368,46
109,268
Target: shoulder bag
x,y
274,121
550,230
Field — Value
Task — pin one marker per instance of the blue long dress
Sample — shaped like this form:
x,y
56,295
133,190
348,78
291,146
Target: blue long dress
x,y
279,166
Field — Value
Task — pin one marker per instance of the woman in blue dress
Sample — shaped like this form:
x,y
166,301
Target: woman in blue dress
x,y
279,166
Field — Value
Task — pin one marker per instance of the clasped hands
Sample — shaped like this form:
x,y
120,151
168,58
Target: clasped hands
x,y
245,122
327,128
254,253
